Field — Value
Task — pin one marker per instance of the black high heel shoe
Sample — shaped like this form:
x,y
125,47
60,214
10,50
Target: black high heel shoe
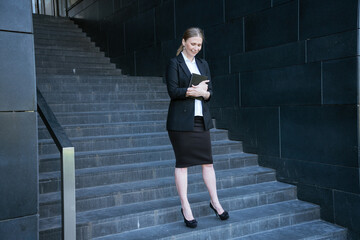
x,y
223,216
190,224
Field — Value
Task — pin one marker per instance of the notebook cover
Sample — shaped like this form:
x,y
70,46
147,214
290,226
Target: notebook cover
x,y
196,79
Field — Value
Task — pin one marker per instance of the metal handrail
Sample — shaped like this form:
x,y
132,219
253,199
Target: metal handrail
x,y
67,152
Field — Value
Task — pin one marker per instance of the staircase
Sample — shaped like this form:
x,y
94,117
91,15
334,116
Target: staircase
x,y
125,163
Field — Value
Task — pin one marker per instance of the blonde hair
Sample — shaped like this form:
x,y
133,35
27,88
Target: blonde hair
x,y
189,33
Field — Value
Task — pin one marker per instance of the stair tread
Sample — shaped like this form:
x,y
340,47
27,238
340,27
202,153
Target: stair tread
x,y
60,64
241,217
304,231
103,99
106,84
312,230
112,102
122,135
90,192
92,66
65,52
91,138
130,150
88,48
62,76
124,211
134,123
143,165
117,136
110,112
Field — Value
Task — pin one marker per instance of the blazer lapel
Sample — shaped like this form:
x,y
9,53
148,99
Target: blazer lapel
x,y
182,63
200,66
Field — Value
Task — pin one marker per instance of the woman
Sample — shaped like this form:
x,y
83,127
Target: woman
x,y
189,121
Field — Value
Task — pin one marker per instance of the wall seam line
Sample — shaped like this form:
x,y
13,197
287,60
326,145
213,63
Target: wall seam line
x,y
279,114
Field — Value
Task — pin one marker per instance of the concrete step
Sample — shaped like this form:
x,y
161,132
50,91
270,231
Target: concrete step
x,y
115,106
66,79
93,143
86,47
90,97
54,29
46,18
62,58
109,175
49,24
111,116
58,26
86,130
241,222
91,159
76,65
78,42
97,197
160,220
49,32
89,199
50,80
68,38
312,230
47,39
50,181
106,142
78,88
77,71
63,52
58,21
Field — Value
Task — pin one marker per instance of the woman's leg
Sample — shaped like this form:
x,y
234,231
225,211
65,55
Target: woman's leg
x,y
181,185
210,182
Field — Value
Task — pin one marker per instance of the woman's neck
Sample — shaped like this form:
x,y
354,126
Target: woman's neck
x,y
190,58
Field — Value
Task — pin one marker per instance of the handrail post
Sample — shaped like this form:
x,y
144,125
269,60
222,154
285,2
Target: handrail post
x,y
67,152
68,193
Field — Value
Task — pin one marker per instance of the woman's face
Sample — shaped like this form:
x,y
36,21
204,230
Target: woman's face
x,y
192,46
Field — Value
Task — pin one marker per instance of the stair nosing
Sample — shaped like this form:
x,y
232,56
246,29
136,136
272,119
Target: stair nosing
x,y
130,166
307,206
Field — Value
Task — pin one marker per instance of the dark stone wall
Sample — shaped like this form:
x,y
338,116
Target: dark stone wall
x,y
285,77
18,121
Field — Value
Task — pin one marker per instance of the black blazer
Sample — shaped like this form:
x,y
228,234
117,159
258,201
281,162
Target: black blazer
x,y
181,109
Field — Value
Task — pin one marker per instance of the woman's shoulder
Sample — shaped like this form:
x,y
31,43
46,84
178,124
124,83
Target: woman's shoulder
x,y
175,60
201,60
172,60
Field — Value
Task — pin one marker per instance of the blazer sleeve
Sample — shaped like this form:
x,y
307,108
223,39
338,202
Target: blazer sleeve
x,y
173,82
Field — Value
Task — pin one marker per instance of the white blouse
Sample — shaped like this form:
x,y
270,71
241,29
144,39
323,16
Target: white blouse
x,y
194,69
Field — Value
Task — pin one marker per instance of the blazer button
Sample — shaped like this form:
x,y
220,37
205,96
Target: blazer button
x,y
184,110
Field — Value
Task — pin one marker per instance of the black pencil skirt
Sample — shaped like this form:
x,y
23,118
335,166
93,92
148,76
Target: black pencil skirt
x,y
192,148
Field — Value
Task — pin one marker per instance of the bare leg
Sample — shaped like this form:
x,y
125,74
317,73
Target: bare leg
x,y
210,182
181,185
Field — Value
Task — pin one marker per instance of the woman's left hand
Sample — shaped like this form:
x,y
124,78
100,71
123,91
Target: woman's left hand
x,y
199,90
203,85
